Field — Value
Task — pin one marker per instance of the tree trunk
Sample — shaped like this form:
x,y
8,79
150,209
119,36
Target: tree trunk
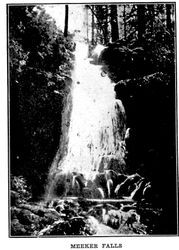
x,y
87,25
152,16
168,13
124,20
106,26
114,23
92,25
141,22
66,21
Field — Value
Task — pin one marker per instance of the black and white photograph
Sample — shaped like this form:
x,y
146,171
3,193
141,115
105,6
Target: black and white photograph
x,y
92,120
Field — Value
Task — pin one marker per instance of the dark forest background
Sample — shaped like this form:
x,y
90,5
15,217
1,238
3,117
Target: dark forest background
x,y
139,57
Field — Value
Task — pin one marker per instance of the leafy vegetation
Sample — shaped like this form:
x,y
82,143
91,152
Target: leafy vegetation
x,y
20,192
40,61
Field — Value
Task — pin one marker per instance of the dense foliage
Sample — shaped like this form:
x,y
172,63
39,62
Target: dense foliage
x,y
144,72
40,61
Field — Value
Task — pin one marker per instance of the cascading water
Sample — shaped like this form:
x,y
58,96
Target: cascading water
x,y
97,127
93,165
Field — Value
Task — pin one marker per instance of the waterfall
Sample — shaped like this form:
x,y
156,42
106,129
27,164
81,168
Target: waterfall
x,y
97,127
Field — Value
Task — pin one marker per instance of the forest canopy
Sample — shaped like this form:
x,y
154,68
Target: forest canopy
x,y
139,38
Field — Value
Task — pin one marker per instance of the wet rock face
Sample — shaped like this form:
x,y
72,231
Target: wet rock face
x,y
66,184
112,162
108,184
14,197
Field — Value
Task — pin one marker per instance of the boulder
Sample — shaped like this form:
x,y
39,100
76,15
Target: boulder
x,y
14,197
26,217
17,229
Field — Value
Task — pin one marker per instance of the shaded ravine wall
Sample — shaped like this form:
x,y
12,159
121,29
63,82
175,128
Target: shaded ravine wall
x,y
150,108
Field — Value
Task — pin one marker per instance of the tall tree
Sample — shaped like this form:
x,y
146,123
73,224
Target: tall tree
x,y
141,22
92,25
106,31
151,16
124,20
100,23
114,23
87,23
168,14
66,21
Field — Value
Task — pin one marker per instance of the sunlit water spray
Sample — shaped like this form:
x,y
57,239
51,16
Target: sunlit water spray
x,y
97,124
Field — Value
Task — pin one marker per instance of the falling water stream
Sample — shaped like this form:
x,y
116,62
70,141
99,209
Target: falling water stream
x,y
95,128
97,123
93,167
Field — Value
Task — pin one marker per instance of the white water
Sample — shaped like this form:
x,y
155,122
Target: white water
x,y
95,131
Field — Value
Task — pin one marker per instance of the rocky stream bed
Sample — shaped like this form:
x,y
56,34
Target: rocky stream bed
x,y
79,216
